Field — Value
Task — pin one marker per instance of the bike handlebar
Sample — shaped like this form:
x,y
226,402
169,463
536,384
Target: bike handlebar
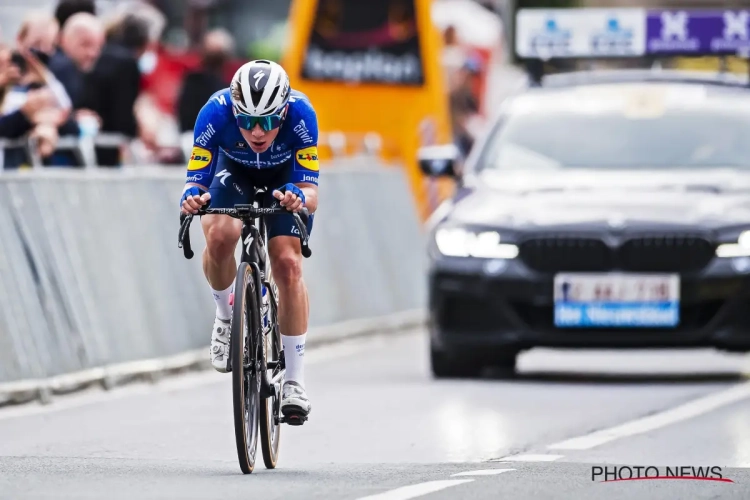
x,y
243,212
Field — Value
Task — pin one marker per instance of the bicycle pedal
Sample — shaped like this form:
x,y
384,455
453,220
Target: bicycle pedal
x,y
293,419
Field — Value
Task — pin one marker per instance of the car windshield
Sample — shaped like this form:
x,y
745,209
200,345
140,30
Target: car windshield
x,y
622,126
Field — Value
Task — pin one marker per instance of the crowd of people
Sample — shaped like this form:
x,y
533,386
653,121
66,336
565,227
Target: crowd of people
x,y
72,73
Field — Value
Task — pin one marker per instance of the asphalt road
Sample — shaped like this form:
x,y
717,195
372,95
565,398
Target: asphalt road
x,y
381,428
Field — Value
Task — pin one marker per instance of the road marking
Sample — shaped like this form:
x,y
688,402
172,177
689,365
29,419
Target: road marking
x,y
416,490
192,380
528,458
485,472
667,417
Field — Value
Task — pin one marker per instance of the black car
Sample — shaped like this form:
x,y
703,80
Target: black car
x,y
600,210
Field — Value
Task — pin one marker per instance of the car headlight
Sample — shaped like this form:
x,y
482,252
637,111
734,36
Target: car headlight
x,y
458,242
739,249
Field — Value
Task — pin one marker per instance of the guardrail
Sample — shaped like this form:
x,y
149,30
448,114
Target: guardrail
x,y
83,147
91,276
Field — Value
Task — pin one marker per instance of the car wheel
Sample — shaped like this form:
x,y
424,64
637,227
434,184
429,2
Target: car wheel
x,y
446,366
503,364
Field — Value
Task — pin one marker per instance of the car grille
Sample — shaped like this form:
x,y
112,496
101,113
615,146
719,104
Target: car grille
x,y
555,254
662,253
666,254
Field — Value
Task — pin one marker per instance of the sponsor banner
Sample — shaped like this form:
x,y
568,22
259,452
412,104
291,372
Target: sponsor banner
x,y
375,41
697,32
560,33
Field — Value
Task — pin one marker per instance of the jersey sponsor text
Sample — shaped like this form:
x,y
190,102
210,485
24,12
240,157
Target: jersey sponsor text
x,y
206,135
302,132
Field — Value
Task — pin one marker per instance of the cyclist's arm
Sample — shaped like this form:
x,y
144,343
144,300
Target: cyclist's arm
x,y
204,155
306,170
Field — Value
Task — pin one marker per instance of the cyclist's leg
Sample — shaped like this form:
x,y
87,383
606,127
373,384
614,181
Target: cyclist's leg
x,y
222,232
286,266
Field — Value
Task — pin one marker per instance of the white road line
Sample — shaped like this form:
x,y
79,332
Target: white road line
x,y
416,490
181,382
683,412
485,472
528,458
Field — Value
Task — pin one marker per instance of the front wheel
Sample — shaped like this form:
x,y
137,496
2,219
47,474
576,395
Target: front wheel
x,y
245,374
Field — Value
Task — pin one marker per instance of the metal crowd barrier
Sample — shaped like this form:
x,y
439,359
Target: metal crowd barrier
x,y
83,147
91,276
341,144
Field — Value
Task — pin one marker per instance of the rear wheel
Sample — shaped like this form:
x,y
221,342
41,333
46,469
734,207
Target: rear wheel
x,y
245,379
270,428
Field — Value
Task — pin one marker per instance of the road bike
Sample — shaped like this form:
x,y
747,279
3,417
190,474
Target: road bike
x,y
256,354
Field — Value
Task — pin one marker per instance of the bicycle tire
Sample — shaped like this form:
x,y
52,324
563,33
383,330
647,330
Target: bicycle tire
x,y
245,382
270,408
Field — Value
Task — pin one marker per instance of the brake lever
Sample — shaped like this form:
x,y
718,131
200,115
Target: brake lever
x,y
302,218
184,235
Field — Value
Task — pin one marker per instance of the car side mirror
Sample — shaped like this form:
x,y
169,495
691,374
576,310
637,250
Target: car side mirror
x,y
439,161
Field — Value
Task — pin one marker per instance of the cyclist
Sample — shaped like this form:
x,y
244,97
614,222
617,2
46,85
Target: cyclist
x,y
257,132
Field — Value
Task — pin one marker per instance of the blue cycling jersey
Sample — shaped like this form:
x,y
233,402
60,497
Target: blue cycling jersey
x,y
216,133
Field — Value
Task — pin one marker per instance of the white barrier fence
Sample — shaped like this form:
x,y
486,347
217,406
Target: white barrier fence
x,y
91,275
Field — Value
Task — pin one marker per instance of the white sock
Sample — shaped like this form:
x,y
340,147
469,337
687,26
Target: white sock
x,y
294,357
223,309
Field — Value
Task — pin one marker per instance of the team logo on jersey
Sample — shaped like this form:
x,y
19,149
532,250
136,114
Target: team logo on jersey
x,y
308,158
200,159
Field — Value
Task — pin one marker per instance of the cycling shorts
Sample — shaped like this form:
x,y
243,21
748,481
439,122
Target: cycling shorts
x,y
234,184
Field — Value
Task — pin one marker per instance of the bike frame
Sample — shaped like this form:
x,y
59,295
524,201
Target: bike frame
x,y
254,252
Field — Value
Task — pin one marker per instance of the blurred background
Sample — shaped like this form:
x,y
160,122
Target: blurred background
x,y
135,92
116,85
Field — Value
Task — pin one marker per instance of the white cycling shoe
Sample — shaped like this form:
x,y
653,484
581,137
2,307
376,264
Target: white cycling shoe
x,y
295,406
219,350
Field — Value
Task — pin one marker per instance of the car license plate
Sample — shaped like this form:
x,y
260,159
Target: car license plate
x,y
617,300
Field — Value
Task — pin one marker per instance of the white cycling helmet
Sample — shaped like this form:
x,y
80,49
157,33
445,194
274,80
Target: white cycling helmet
x,y
260,88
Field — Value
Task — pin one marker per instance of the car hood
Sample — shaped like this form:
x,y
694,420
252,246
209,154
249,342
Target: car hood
x,y
707,198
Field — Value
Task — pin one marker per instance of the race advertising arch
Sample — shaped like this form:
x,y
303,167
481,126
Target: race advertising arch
x,y
374,42
372,67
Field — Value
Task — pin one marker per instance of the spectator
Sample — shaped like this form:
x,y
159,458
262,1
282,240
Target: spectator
x,y
81,43
454,55
27,105
198,86
112,87
464,107
39,33
36,42
68,8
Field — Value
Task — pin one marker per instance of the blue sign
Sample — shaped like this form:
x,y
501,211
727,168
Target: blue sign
x,y
697,32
